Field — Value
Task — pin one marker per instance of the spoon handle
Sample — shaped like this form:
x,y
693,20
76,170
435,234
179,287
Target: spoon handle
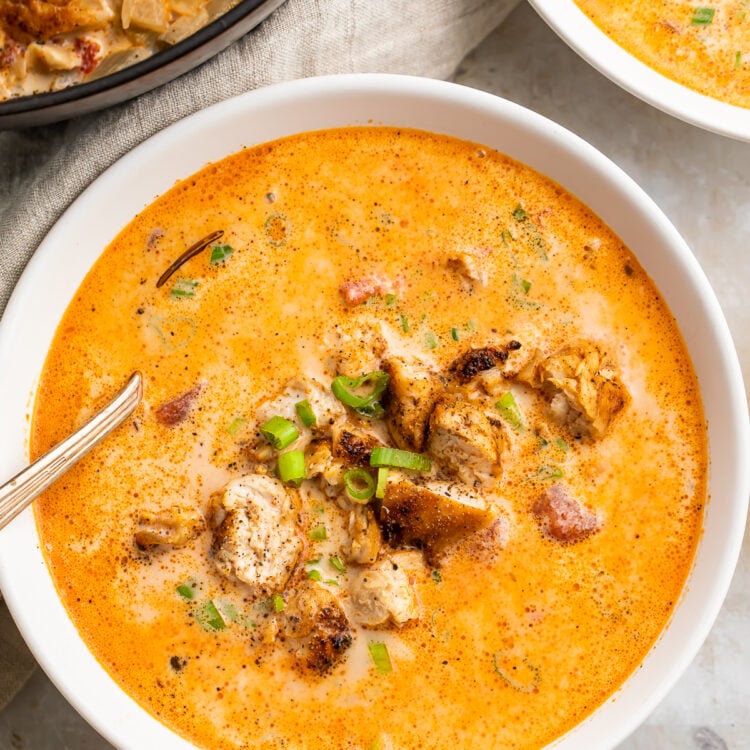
x,y
20,491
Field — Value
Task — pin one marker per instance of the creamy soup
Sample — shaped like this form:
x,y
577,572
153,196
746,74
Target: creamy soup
x,y
47,45
420,461
704,46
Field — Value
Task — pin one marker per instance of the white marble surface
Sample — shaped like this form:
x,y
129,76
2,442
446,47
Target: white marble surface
x,y
702,182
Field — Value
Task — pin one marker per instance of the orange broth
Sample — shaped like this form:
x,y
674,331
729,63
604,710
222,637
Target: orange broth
x,y
511,651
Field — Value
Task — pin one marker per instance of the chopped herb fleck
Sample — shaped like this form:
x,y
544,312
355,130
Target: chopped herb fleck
x,y
703,16
380,657
220,254
519,214
209,617
337,563
436,576
184,288
314,575
546,473
318,534
236,425
430,340
454,334
187,590
404,321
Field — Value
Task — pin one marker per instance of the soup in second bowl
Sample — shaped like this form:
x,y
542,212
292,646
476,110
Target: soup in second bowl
x,y
420,462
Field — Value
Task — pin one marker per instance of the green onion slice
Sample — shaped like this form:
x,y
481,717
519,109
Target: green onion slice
x,y
381,659
382,482
337,563
509,410
305,413
236,425
401,459
209,617
517,672
360,486
703,16
279,432
220,254
292,467
362,394
184,288
519,213
277,600
318,534
187,590
314,575
546,473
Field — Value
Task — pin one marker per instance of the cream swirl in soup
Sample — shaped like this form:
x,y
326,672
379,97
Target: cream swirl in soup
x,y
421,460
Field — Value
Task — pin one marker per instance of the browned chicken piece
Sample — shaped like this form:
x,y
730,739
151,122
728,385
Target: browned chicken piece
x,y
563,517
382,594
352,443
174,527
463,442
413,388
474,361
363,536
318,626
256,534
433,516
584,392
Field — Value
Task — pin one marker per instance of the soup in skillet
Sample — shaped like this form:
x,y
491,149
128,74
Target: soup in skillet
x,y
420,461
704,46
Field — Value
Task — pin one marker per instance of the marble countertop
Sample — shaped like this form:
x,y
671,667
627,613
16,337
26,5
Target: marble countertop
x,y
702,182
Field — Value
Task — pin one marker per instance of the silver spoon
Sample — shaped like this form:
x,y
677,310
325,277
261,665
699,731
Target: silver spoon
x,y
20,491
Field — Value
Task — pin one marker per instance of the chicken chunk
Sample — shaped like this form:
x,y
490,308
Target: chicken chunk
x,y
363,536
256,537
174,527
413,388
353,443
321,463
474,361
382,594
462,440
563,517
318,626
471,265
585,394
357,351
433,516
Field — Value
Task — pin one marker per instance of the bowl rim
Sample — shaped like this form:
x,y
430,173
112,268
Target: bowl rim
x,y
580,33
245,120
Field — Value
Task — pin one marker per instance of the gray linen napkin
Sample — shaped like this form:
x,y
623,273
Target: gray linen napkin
x,y
43,169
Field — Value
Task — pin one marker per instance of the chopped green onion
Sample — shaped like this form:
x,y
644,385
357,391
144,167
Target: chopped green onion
x,y
236,425
381,659
187,590
470,326
337,563
519,214
278,603
367,404
314,561
292,467
737,60
561,444
404,320
318,534
382,482
390,300
184,288
209,617
508,408
279,432
382,456
220,254
702,16
517,672
523,285
430,341
436,576
305,413
454,334
332,582
549,472
360,486
314,575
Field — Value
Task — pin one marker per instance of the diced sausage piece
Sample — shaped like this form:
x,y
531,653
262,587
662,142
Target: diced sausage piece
x,y
433,516
564,518
363,536
353,443
177,410
585,394
474,361
314,617
413,388
357,291
256,537
174,527
461,439
382,594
